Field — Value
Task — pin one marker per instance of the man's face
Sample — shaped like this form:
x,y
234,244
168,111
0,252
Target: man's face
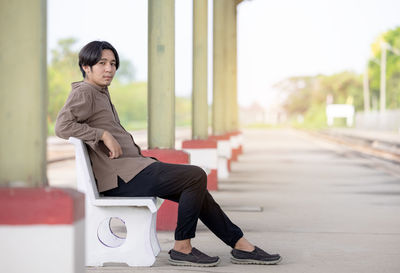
x,y
102,73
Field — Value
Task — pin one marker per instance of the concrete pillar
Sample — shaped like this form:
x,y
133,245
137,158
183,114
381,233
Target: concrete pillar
x,y
203,151
42,229
161,74
225,106
230,40
199,98
161,98
235,106
23,105
219,69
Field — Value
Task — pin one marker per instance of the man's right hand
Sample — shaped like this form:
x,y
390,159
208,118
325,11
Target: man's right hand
x,y
112,144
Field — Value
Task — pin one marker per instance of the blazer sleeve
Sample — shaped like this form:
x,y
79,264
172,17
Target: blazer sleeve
x,y
72,119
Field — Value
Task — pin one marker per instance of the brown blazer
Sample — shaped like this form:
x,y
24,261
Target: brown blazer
x,y
87,112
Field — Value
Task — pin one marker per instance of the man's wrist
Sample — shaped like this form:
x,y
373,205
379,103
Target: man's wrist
x,y
99,135
104,135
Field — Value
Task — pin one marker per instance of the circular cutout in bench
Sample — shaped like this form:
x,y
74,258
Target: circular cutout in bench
x,y
112,232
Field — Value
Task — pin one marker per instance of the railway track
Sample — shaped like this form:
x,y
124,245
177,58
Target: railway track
x,y
379,148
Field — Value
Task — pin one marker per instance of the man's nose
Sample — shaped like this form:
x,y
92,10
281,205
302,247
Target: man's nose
x,y
109,67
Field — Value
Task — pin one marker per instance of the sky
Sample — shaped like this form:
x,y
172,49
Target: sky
x,y
276,39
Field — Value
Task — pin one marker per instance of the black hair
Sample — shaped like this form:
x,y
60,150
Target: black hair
x,y
90,54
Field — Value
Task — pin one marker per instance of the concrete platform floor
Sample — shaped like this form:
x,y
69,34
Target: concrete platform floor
x,y
323,207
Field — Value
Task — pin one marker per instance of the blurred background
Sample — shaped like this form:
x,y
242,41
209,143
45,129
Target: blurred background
x,y
295,58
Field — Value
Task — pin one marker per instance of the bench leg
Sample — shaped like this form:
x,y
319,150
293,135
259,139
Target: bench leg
x,y
153,235
136,249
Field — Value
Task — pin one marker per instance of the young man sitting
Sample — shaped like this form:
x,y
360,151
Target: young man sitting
x,y
121,170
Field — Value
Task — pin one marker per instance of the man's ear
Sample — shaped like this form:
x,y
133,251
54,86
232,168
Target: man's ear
x,y
86,68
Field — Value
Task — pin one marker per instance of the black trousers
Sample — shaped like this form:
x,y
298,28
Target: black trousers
x,y
187,185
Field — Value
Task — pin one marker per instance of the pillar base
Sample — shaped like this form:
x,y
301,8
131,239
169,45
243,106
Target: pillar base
x,y
235,154
236,144
240,149
167,215
224,151
42,230
203,153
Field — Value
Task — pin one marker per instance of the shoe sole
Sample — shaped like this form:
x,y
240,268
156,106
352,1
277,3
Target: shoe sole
x,y
250,261
186,263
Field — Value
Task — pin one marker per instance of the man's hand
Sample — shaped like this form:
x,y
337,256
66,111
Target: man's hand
x,y
112,144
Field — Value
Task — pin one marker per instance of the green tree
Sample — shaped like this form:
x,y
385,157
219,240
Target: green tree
x,y
62,71
392,37
130,100
183,111
126,71
306,96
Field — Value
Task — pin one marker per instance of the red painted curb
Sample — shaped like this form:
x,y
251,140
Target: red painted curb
x,y
235,133
167,216
235,154
168,155
219,137
35,206
212,180
199,144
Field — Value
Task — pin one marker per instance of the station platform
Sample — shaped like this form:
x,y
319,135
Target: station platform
x,y
323,206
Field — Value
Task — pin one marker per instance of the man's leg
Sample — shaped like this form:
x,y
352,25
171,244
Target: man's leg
x,y
218,222
184,184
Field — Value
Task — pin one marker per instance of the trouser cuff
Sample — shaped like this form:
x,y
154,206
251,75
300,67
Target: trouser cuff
x,y
179,236
235,238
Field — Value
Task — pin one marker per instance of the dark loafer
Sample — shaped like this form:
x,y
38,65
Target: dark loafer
x,y
257,256
194,258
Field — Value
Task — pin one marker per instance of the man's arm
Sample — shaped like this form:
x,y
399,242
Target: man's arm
x,y
71,122
112,144
71,119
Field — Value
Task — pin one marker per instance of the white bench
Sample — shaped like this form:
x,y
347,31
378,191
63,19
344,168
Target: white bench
x,y
103,245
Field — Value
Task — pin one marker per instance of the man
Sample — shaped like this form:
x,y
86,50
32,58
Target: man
x,y
121,170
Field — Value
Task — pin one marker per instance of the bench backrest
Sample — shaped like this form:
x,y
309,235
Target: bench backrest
x,y
85,177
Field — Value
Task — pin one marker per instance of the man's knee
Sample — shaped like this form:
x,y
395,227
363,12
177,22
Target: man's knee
x,y
201,176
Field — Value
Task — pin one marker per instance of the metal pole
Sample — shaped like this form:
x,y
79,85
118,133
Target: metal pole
x,y
383,78
366,90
